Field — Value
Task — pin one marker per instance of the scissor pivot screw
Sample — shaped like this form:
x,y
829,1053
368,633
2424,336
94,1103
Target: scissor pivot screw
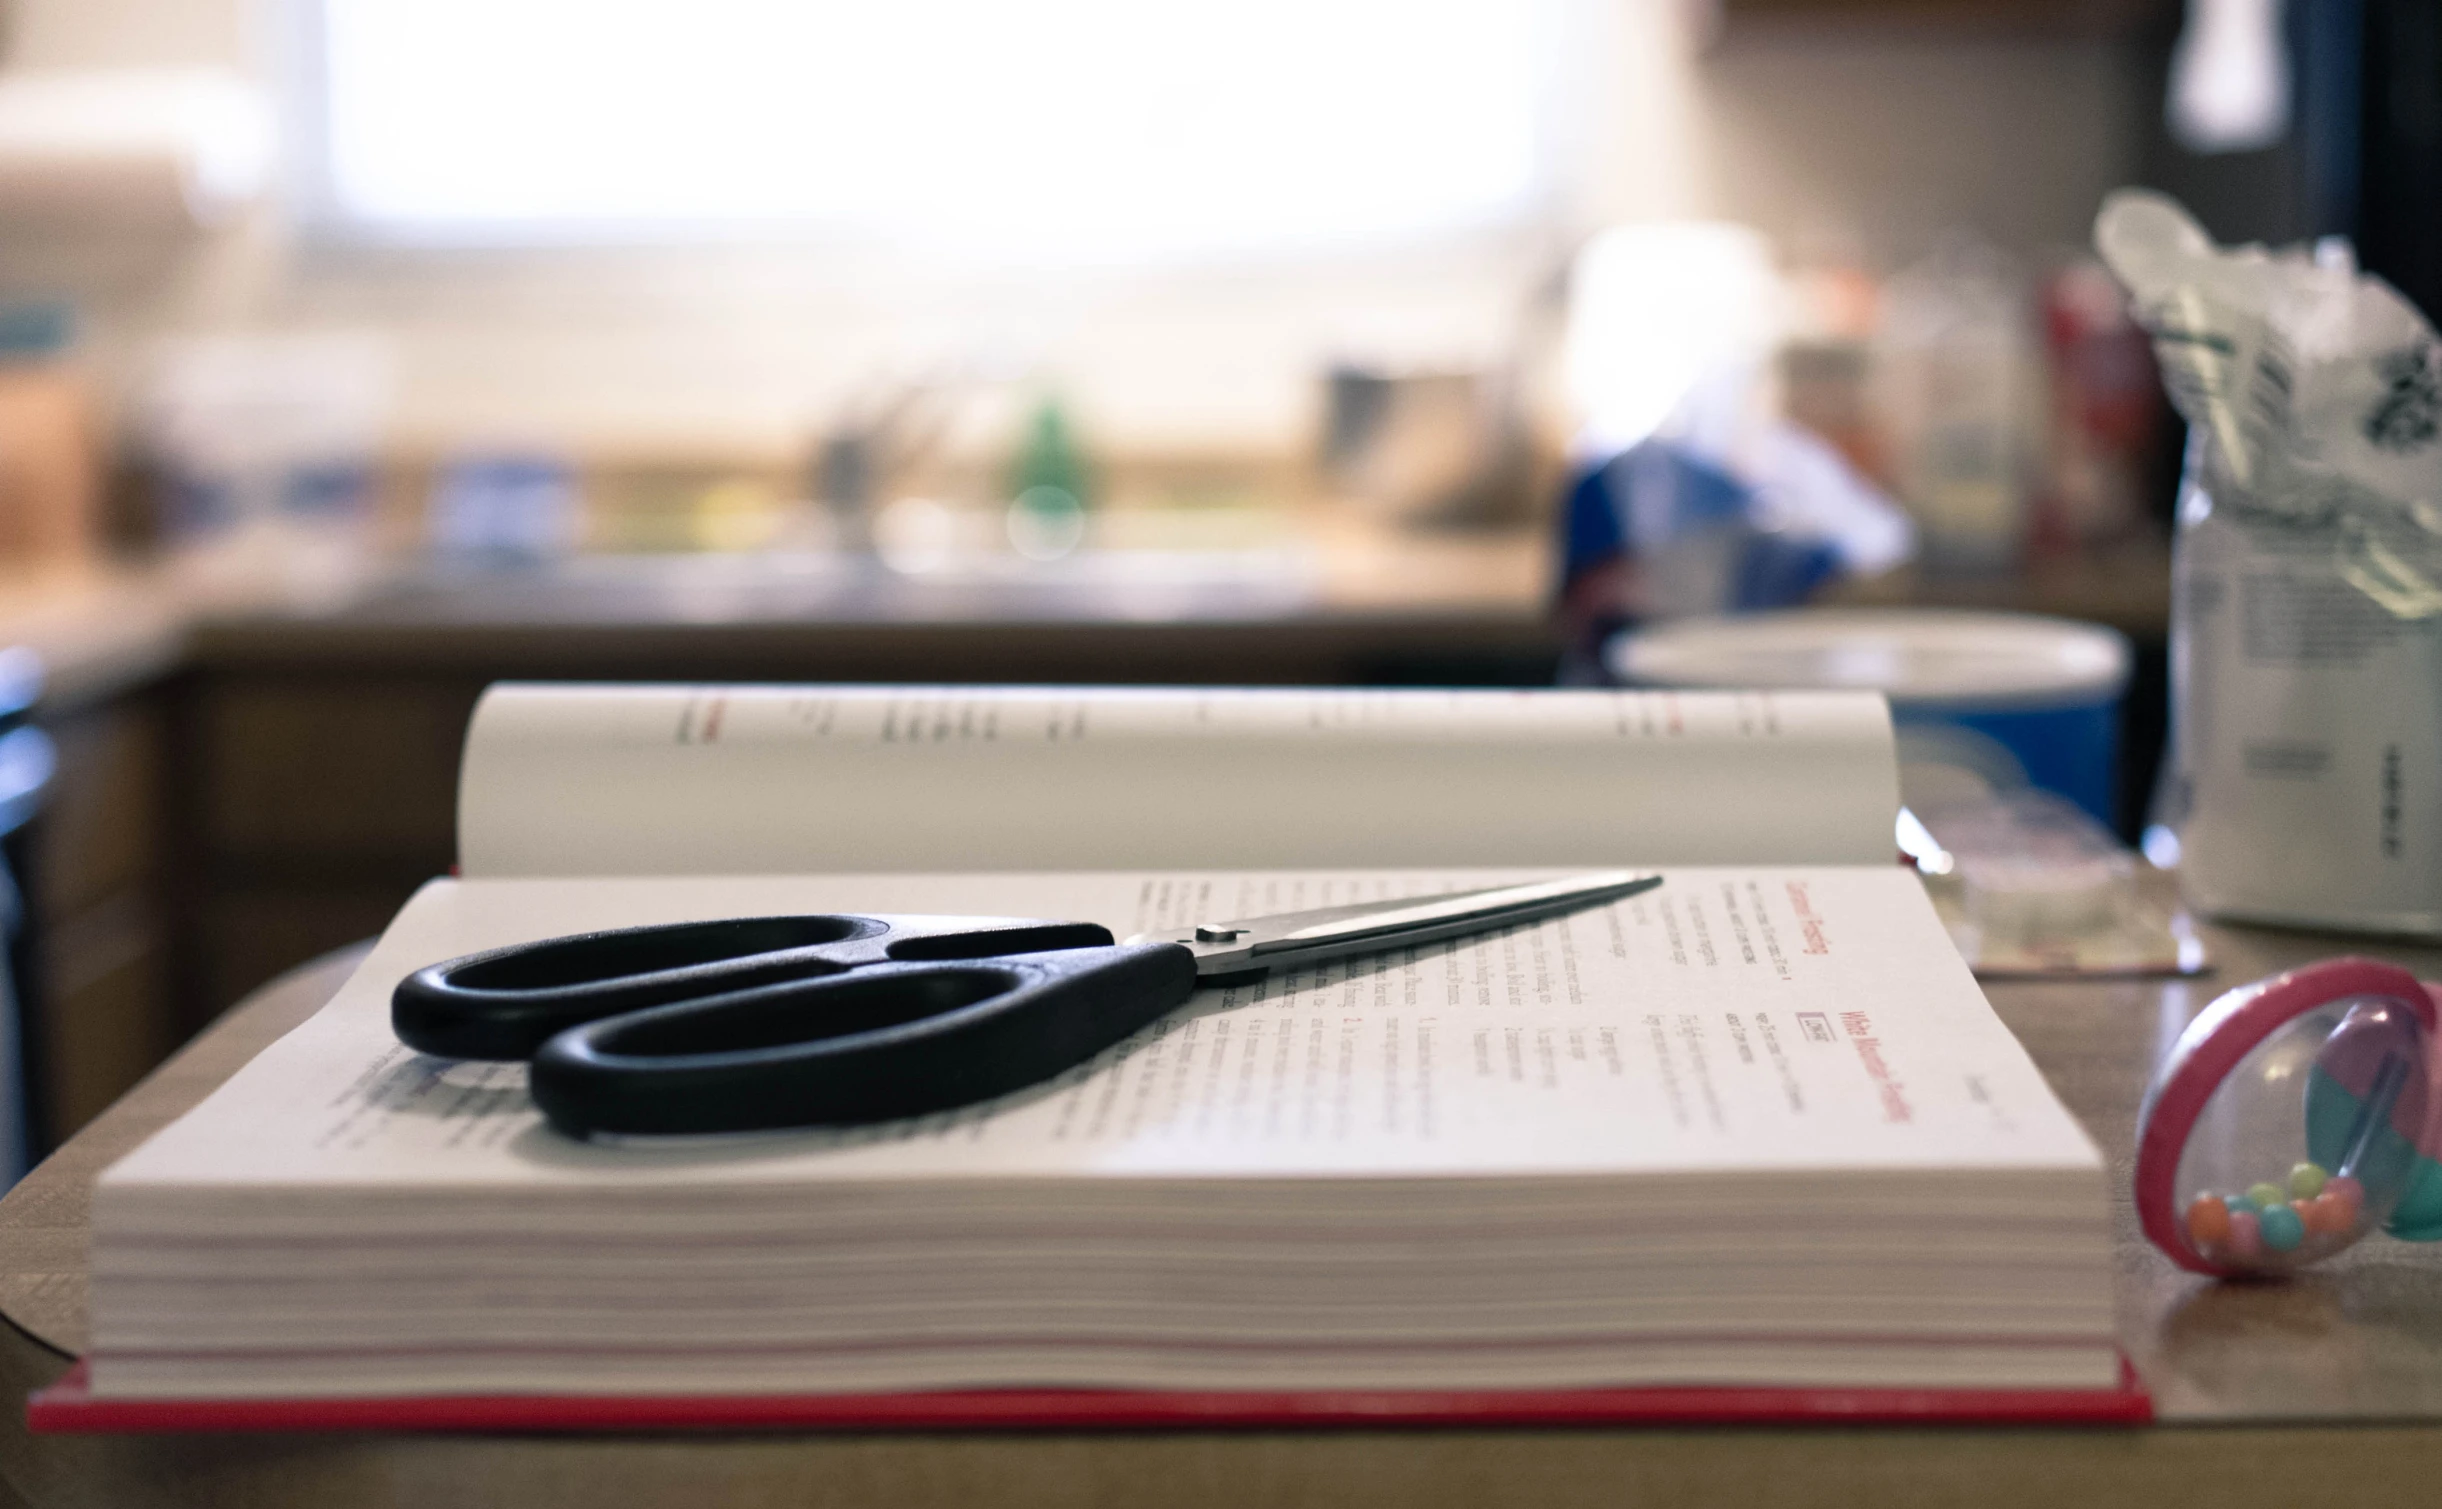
x,y
1219,934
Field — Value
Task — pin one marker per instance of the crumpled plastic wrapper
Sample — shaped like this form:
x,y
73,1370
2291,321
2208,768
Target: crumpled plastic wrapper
x,y
2313,392
2304,779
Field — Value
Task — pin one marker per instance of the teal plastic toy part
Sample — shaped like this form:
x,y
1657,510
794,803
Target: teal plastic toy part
x,y
2418,1217
2331,1111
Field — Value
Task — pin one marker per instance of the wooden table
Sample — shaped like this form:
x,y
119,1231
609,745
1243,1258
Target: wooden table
x,y
2323,1390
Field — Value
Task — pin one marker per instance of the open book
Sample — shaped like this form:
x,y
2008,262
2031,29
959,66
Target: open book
x,y
1756,1127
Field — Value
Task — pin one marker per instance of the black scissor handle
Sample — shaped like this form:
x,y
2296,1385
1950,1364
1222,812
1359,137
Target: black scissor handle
x,y
505,1003
881,1042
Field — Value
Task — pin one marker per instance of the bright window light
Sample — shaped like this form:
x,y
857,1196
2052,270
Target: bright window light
x,y
1103,128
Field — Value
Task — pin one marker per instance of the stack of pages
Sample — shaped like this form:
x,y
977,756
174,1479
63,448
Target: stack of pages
x,y
1756,1127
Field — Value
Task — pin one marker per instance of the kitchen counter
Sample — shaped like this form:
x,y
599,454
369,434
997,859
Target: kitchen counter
x,y
98,629
1460,601
1365,598
2127,588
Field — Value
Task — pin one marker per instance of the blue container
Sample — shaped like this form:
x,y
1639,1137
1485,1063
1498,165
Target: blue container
x,y
2003,699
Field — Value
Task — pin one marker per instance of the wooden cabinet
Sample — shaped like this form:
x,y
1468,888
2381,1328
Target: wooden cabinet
x,y
320,799
357,770
105,1010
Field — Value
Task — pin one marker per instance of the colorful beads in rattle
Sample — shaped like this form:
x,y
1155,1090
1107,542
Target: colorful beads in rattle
x,y
2310,1215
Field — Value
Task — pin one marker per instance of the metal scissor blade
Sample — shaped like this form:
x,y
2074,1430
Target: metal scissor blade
x,y
1287,939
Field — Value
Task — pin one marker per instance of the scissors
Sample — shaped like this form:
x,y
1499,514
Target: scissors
x,y
755,1023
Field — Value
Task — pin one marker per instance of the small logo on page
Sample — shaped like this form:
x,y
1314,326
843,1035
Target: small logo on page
x,y
1816,1025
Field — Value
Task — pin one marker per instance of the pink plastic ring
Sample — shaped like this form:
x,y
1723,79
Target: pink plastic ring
x,y
2211,1047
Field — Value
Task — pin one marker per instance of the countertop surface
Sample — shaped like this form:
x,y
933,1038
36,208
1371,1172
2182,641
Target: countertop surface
x,y
97,628
101,627
2127,588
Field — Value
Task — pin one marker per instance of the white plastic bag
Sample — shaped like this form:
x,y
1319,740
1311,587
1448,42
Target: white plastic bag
x,y
2305,770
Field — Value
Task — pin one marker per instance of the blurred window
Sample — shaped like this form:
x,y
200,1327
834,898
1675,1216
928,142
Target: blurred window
x,y
1064,128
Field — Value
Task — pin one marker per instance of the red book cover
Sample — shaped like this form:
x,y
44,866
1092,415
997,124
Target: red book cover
x,y
68,1407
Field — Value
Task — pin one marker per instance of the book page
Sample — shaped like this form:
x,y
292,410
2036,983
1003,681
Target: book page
x,y
587,780
1734,1019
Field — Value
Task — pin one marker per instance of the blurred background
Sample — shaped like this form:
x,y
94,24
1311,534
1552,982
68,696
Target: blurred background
x,y
354,353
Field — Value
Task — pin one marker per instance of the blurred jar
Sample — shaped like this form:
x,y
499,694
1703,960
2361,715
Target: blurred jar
x,y
1826,360
50,482
2106,410
1958,380
1825,387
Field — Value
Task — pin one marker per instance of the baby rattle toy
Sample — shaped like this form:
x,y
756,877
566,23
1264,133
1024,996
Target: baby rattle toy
x,y
2293,1117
